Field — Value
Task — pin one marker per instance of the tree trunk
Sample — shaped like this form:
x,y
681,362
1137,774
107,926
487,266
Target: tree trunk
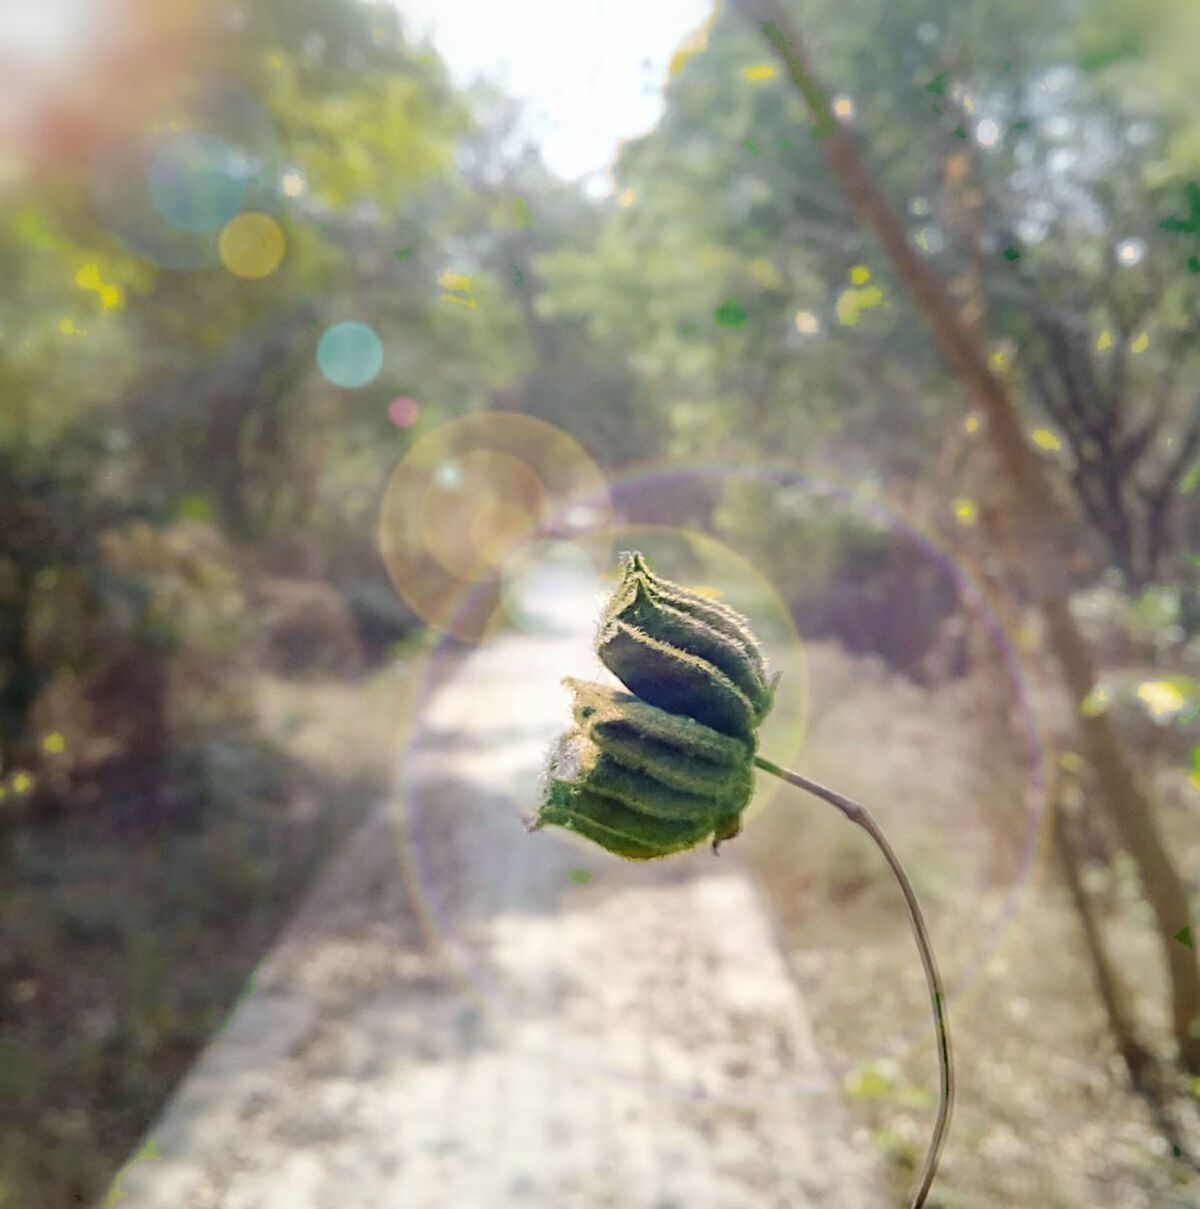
x,y
1045,567
1139,1062
1145,1075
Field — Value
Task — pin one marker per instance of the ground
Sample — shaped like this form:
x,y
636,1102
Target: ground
x,y
445,955
1043,1115
552,1027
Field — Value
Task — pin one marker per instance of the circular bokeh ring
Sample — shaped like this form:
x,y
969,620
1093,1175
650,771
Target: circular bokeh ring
x,y
440,880
350,354
976,596
482,601
466,497
252,245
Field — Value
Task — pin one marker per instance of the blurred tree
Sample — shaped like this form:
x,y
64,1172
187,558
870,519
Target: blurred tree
x,y
519,213
143,376
1035,519
1034,175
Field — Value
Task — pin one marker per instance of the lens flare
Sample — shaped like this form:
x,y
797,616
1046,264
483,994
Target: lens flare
x,y
167,194
197,181
550,588
403,411
467,498
252,245
350,354
477,509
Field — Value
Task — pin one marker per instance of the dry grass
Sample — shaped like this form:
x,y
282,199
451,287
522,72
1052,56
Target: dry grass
x,y
1043,1116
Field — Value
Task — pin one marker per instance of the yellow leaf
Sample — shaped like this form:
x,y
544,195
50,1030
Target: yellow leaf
x,y
860,275
760,71
1105,340
1161,698
1043,438
1069,761
847,307
1141,343
455,281
764,272
966,511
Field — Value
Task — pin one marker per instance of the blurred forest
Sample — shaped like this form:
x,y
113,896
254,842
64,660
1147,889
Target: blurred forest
x,y
189,570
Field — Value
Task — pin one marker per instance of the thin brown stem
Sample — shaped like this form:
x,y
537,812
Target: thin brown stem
x,y
859,814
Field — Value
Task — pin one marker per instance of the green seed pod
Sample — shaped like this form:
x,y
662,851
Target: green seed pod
x,y
700,626
683,653
620,829
635,787
673,748
669,764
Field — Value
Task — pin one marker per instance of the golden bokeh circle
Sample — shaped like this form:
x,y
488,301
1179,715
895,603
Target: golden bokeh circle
x,y
251,245
467,498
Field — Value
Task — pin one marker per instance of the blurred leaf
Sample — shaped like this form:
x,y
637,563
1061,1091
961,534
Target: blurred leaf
x,y
872,1079
730,313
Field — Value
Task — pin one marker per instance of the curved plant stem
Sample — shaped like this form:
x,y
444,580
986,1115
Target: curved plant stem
x,y
859,814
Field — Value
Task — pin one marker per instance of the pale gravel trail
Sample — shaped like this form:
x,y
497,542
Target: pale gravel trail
x,y
631,1042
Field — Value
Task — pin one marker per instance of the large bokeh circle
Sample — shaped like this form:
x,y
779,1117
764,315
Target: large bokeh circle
x,y
498,606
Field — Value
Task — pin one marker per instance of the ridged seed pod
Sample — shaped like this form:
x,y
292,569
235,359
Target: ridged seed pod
x,y
683,653
670,763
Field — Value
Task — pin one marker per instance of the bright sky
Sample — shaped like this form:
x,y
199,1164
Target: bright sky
x,y
591,70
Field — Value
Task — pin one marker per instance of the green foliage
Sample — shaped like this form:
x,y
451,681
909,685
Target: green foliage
x,y
165,439
728,276
376,137
873,1080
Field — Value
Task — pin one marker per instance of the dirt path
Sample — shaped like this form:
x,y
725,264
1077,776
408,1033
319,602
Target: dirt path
x,y
551,1028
